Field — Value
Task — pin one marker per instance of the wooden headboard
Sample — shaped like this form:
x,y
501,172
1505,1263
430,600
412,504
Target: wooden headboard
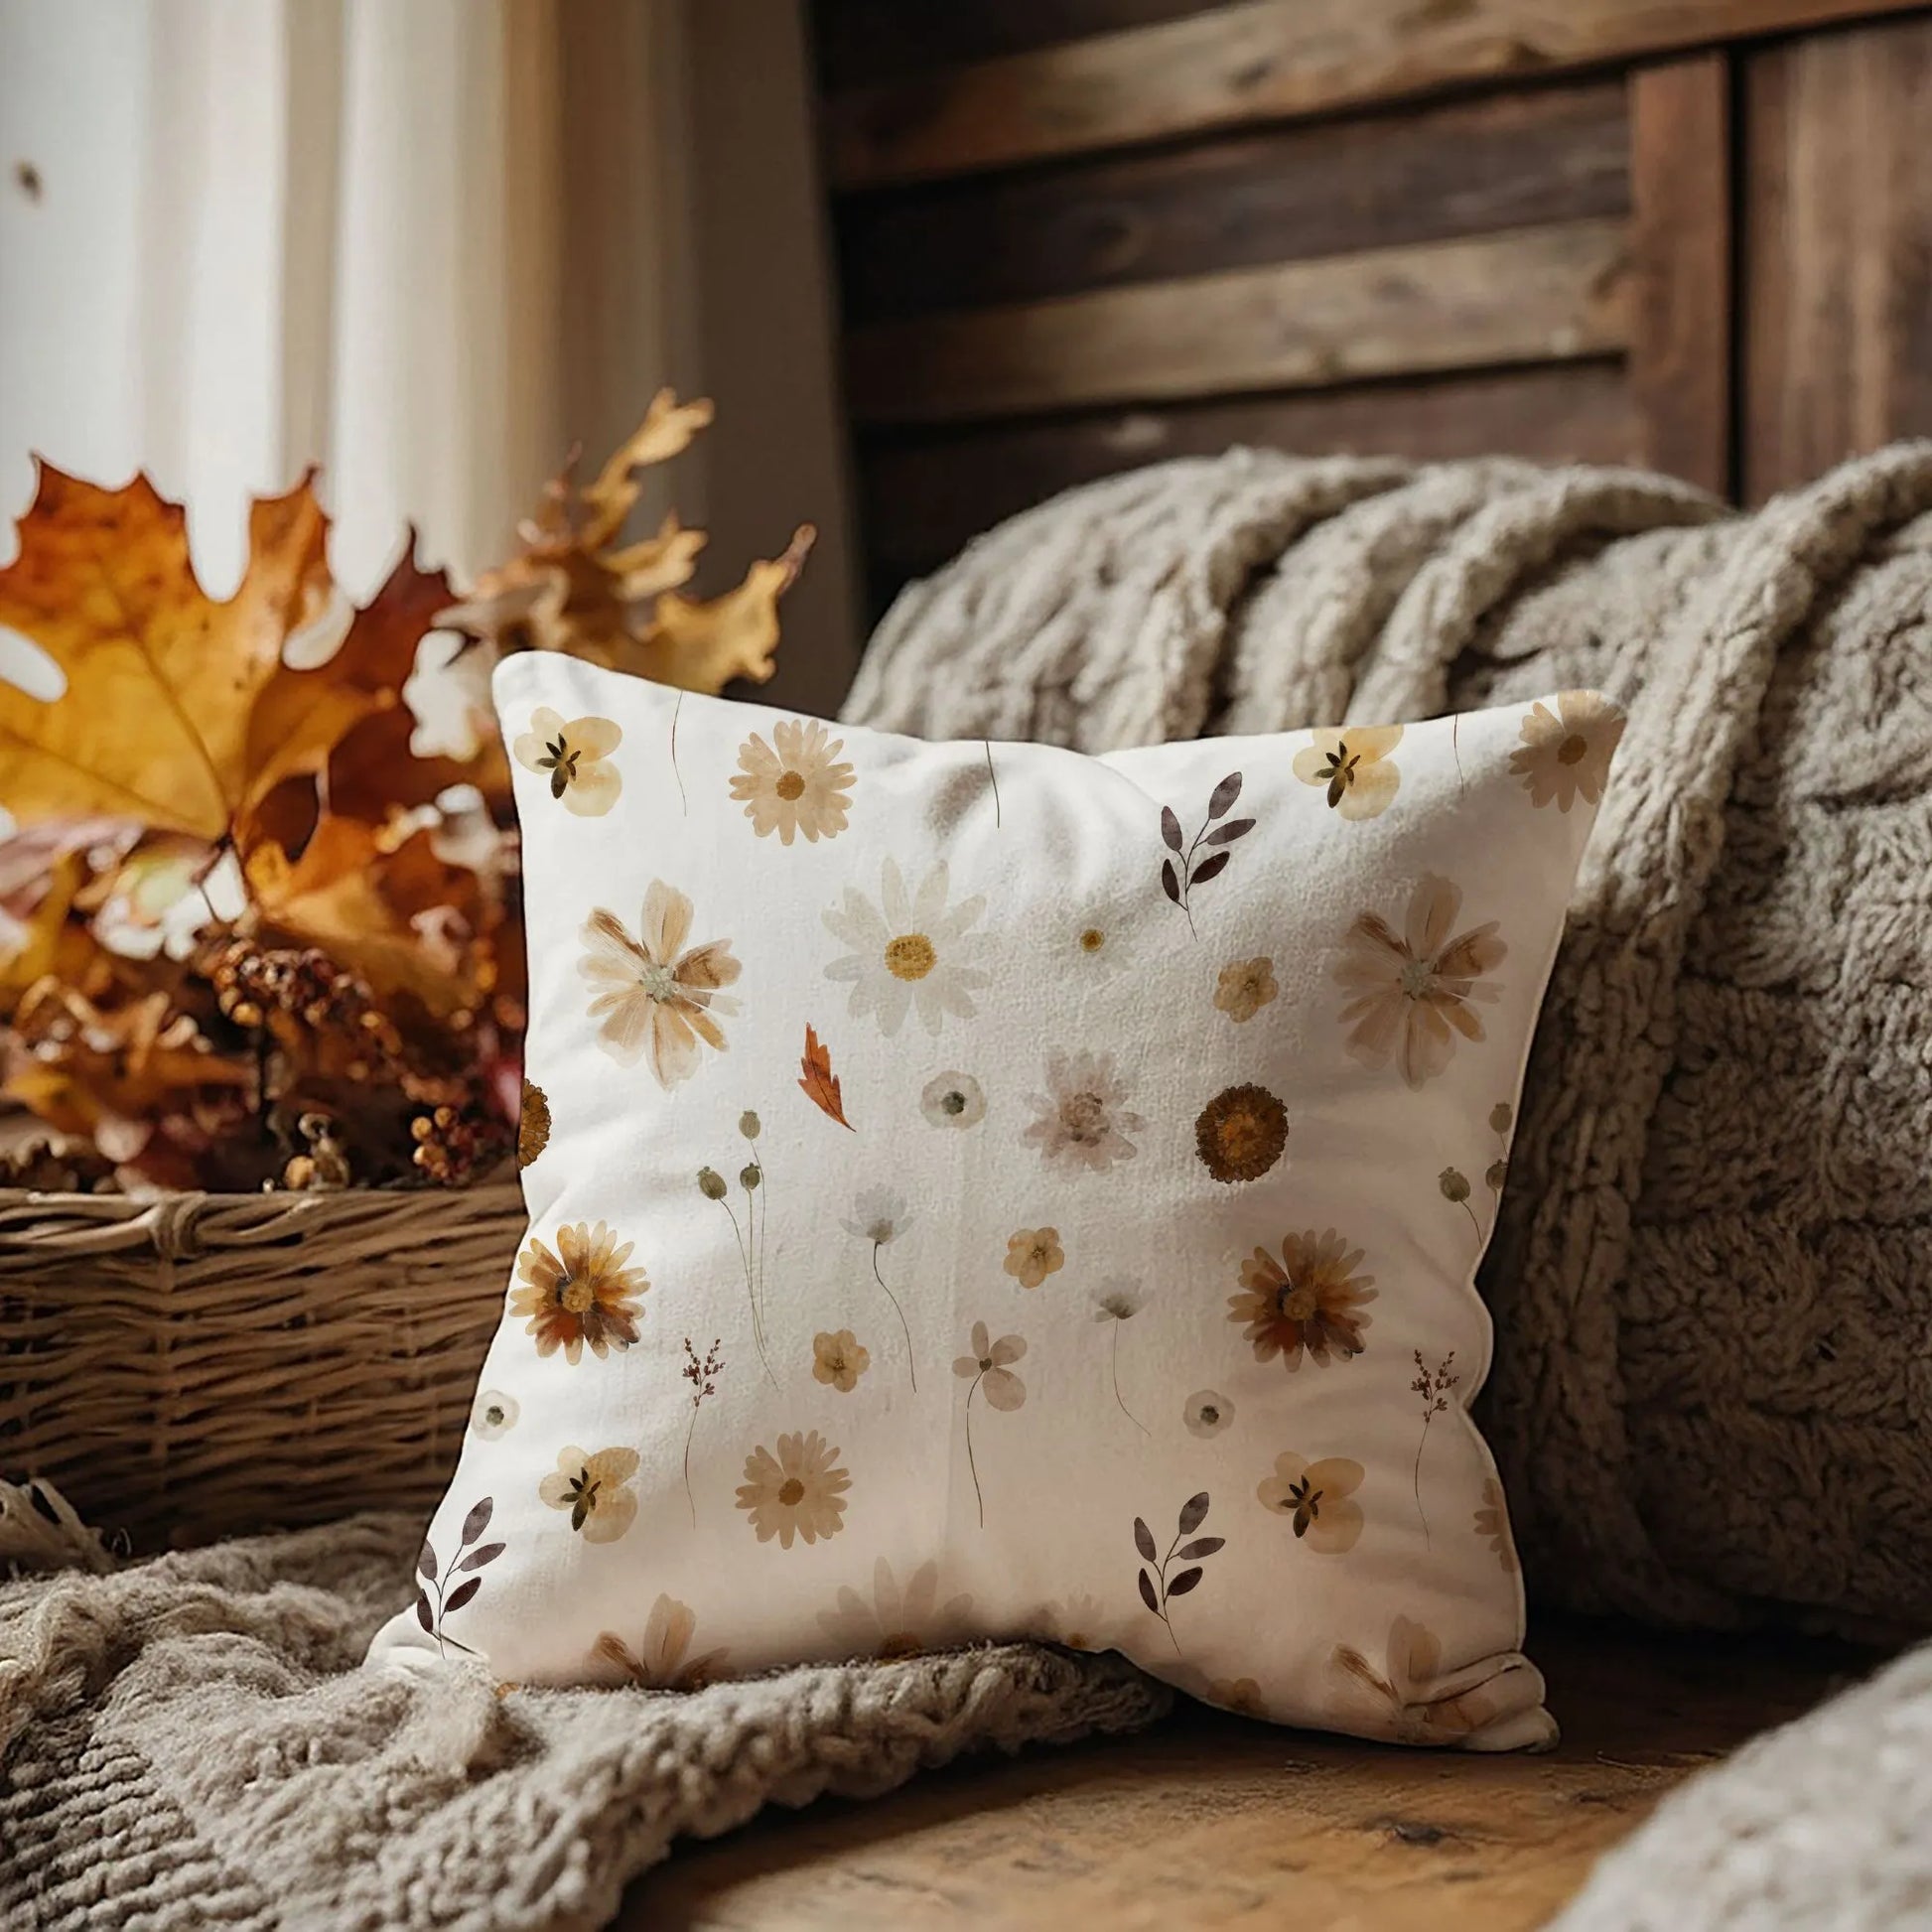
x,y
1078,236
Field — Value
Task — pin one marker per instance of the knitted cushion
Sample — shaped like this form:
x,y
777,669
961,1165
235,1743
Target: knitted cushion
x,y
979,1190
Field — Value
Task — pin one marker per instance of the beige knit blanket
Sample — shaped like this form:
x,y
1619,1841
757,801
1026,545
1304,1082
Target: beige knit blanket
x,y
1712,1280
189,1743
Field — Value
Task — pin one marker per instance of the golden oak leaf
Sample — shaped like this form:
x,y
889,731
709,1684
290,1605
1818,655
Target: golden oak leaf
x,y
381,913
818,1083
702,645
45,942
179,710
666,431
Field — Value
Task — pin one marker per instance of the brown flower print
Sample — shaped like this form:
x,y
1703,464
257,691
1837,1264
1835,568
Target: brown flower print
x,y
1206,1412
1075,1622
1245,987
954,1100
1566,754
1417,1702
799,1492
989,1367
532,1125
493,1415
1493,1523
1241,1133
1083,1119
1354,767
800,787
654,997
660,1662
1411,994
574,758
838,1360
1309,1302
896,1622
1317,1498
583,1295
1033,1254
596,1490
1241,1695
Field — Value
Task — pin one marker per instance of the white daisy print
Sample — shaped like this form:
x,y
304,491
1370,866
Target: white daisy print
x,y
912,952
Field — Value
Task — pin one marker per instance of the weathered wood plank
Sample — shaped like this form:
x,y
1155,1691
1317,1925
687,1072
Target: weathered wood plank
x,y
863,41
1261,61
924,493
1680,248
1213,1822
1548,154
1533,295
1838,250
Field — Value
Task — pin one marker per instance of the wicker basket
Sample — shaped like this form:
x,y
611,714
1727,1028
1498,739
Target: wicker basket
x,y
206,1364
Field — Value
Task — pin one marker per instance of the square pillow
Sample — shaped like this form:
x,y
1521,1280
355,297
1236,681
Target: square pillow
x,y
981,1190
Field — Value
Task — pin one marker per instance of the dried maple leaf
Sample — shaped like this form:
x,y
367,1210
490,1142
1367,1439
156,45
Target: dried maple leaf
x,y
819,1083
702,646
666,431
179,710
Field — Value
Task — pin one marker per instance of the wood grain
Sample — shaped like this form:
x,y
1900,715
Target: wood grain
x,y
1533,295
1838,250
1208,1821
1681,248
923,494
1257,61
1549,154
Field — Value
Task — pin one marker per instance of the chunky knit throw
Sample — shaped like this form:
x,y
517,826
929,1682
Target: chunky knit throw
x,y
189,1743
1712,1280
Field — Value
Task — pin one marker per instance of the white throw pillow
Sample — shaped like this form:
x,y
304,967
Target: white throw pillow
x,y
980,1190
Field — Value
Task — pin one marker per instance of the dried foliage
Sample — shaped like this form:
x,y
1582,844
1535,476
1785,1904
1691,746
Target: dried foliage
x,y
249,937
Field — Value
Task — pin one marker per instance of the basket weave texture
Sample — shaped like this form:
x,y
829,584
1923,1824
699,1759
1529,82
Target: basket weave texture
x,y
204,1365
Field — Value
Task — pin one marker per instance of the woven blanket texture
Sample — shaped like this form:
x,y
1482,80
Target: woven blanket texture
x,y
189,1743
1712,1398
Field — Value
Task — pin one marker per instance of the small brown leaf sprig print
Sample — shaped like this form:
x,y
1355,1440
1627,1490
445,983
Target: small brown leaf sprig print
x,y
1433,1386
703,1377
1178,880
450,1600
818,1083
1158,1588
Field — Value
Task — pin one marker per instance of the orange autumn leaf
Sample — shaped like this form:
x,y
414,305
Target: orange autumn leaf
x,y
820,1084
573,589
179,710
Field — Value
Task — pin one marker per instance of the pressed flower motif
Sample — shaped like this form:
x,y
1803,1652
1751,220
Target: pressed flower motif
x,y
909,952
1083,1119
532,1125
953,1100
660,1662
1493,1523
1316,1498
1411,994
1241,1133
799,1492
838,1360
1566,754
655,999
1241,1695
1075,1622
1353,765
798,787
989,1367
1117,1303
896,1622
596,1490
583,1295
1408,1691
881,1216
1033,1254
1099,947
1245,987
494,1413
1206,1412
1307,1302
574,758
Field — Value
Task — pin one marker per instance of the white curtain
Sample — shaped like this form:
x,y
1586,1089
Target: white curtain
x,y
429,244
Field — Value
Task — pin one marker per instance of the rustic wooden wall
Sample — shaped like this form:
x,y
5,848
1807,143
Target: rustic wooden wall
x,y
1076,236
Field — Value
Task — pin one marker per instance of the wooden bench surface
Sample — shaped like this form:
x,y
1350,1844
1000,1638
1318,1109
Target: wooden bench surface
x,y
1210,1821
